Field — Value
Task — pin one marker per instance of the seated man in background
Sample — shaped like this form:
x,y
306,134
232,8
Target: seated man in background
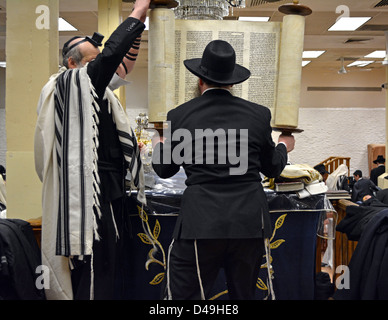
x,y
362,187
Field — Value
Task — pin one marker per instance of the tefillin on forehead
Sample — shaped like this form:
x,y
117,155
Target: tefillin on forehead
x,y
95,40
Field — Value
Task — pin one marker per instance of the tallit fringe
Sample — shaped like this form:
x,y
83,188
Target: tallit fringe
x,y
91,277
168,287
268,256
198,271
96,181
95,225
96,176
114,221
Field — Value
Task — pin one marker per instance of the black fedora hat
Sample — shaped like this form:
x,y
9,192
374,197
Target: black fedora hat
x,y
218,65
380,159
321,169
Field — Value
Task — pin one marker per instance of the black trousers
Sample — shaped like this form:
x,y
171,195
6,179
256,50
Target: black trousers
x,y
109,254
240,258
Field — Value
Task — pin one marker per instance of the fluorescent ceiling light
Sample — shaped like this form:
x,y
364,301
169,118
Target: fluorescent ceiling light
x,y
3,64
63,25
263,19
348,23
305,62
377,54
360,63
312,54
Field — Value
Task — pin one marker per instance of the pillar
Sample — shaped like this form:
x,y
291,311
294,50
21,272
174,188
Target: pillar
x,y
32,57
381,181
109,18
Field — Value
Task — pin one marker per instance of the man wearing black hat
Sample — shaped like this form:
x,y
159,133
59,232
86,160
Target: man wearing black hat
x,y
224,213
84,147
379,170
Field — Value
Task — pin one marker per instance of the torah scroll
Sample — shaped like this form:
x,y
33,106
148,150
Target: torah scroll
x,y
161,61
290,71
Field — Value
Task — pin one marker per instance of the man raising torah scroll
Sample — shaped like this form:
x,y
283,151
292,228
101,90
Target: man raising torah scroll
x,y
84,147
224,215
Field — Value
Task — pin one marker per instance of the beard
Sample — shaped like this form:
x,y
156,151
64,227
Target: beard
x,y
197,91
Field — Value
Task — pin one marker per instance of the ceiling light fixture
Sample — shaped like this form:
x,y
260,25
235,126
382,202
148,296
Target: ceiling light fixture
x,y
348,23
63,25
263,19
342,70
378,54
360,63
312,54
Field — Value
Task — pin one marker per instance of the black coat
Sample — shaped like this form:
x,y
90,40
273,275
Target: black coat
x,y
216,203
20,258
101,70
362,188
375,173
357,217
368,278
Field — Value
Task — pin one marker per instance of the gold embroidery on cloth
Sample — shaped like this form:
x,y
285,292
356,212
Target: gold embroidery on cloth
x,y
151,238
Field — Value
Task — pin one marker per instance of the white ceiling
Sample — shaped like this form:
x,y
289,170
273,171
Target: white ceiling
x,y
83,15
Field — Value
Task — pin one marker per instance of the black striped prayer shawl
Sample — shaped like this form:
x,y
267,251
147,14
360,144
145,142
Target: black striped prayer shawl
x,y
76,143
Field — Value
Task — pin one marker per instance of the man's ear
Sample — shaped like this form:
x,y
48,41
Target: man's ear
x,y
71,63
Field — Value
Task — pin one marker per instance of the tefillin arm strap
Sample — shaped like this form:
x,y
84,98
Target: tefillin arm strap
x,y
131,55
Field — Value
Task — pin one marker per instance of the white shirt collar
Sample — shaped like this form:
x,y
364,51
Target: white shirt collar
x,y
215,88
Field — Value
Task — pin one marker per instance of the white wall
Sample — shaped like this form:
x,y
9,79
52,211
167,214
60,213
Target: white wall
x,y
343,132
340,122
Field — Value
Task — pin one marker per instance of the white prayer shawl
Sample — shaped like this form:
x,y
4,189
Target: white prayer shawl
x,y
69,174
3,191
332,178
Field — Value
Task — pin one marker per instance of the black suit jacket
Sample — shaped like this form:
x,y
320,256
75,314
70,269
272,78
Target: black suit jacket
x,y
376,172
362,188
216,203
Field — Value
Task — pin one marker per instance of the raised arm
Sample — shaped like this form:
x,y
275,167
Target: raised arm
x,y
116,47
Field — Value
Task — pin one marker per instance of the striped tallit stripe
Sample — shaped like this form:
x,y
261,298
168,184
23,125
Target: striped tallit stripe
x,y
81,173
131,154
62,131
